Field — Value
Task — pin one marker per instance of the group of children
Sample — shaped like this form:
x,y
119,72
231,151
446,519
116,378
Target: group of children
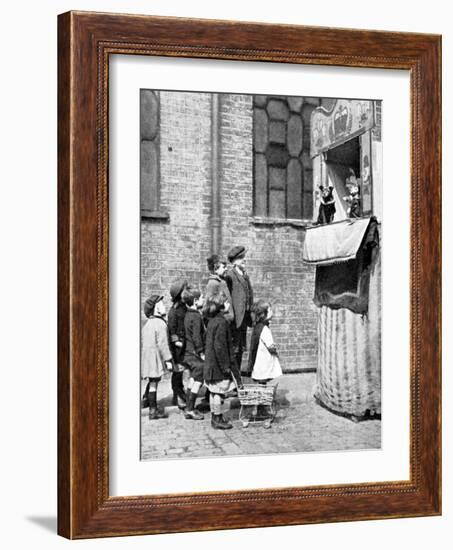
x,y
198,339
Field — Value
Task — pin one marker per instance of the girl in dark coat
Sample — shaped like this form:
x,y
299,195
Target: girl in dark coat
x,y
176,317
219,359
194,350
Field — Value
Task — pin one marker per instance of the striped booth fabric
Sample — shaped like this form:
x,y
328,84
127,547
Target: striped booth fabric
x,y
348,295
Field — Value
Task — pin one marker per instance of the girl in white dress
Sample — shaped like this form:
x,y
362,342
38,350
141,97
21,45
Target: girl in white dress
x,y
263,357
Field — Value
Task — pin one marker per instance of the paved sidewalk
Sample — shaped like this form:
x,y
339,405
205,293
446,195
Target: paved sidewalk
x,y
301,425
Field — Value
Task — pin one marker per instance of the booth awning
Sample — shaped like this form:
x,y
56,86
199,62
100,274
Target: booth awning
x,y
336,242
344,254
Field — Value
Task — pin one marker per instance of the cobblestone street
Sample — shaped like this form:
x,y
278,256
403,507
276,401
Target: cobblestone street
x,y
301,425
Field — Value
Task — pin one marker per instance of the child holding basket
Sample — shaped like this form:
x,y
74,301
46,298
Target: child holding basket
x,y
263,356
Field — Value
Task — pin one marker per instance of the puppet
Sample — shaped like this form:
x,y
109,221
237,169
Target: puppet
x,y
353,199
327,205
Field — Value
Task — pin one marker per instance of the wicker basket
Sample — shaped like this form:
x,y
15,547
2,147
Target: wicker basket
x,y
256,394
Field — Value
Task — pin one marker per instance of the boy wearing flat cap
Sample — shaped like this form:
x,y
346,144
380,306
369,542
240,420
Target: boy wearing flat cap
x,y
156,353
241,292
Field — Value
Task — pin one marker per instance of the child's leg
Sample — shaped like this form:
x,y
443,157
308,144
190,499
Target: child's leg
x,y
204,404
145,388
191,413
193,387
189,387
223,407
215,402
154,412
217,420
261,411
152,398
178,387
267,410
174,386
144,391
195,383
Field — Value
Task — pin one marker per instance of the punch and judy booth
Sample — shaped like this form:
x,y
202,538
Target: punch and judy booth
x,y
346,253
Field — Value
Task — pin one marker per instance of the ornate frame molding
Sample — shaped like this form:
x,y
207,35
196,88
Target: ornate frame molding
x,y
86,40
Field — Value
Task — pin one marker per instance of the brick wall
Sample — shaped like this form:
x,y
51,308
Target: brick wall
x,y
179,247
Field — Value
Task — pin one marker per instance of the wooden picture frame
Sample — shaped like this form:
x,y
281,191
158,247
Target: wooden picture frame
x,y
85,42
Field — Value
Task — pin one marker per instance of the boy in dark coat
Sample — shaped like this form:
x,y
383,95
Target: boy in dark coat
x,y
194,350
241,292
220,362
176,317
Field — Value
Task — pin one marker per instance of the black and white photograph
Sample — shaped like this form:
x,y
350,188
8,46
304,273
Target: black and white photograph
x,y
260,274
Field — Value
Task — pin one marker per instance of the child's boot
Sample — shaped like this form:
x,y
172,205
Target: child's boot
x,y
145,402
154,412
191,413
226,422
219,423
204,405
177,387
180,394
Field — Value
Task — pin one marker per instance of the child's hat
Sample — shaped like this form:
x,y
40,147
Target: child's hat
x,y
150,304
236,252
213,260
176,289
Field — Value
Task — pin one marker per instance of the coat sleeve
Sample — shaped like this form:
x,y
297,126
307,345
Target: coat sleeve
x,y
251,292
162,343
229,280
230,315
222,347
249,285
198,334
173,326
235,306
